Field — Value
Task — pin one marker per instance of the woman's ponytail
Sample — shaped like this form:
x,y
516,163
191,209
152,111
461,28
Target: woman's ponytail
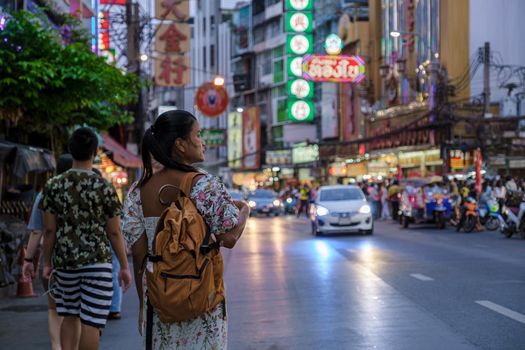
x,y
146,157
159,139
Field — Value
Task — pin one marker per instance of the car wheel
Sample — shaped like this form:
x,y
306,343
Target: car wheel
x,y
369,232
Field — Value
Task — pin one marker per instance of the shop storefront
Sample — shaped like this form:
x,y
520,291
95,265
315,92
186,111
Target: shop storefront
x,y
420,163
305,159
118,166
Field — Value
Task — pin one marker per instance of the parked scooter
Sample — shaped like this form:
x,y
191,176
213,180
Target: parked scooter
x,y
514,220
471,215
490,217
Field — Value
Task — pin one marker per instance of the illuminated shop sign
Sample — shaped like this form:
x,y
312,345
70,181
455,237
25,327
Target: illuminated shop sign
x,y
333,44
295,67
299,44
301,88
300,110
340,69
303,153
299,22
299,5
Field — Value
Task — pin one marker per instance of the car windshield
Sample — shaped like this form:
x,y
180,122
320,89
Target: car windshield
x,y
340,194
262,194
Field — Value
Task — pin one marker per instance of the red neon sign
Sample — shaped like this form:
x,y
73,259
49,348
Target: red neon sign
x,y
339,69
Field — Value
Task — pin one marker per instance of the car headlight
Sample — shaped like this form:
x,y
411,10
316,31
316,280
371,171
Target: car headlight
x,y
289,200
252,204
322,211
365,209
276,203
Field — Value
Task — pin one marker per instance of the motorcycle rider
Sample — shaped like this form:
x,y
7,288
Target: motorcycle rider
x,y
465,195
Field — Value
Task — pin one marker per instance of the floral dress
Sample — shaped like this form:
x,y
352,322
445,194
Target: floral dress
x,y
214,203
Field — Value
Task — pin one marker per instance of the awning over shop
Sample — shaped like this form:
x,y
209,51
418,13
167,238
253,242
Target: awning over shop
x,y
119,154
26,159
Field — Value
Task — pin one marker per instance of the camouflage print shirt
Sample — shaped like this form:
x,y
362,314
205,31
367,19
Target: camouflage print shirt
x,y
82,202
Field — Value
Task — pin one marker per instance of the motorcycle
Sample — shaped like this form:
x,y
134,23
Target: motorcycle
x,y
490,216
514,220
471,214
290,205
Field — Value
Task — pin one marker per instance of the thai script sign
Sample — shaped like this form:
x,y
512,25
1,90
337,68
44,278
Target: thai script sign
x,y
338,69
214,137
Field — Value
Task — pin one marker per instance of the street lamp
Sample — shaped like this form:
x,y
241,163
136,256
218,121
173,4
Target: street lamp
x,y
218,80
395,34
144,57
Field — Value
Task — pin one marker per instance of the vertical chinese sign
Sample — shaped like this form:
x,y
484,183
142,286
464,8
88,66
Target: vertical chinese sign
x,y
235,140
299,41
251,138
172,42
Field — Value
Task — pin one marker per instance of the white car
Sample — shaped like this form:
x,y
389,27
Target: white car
x,y
341,209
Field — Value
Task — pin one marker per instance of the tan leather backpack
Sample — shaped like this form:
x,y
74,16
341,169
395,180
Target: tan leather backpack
x,y
186,279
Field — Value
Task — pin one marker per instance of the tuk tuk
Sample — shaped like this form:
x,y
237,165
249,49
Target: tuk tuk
x,y
423,201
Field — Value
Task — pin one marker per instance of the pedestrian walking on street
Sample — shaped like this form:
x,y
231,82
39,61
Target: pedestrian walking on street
x,y
385,207
81,218
36,225
304,194
174,141
393,197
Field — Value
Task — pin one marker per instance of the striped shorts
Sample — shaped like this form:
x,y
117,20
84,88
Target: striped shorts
x,y
85,292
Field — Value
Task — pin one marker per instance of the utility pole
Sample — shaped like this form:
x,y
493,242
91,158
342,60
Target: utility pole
x,y
486,78
133,55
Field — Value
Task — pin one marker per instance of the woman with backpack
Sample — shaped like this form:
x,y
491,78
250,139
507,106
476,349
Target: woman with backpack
x,y
200,202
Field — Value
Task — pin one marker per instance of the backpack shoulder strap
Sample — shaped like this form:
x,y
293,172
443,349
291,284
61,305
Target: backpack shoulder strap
x,y
186,182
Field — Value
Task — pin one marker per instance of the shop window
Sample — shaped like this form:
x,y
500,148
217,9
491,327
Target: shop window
x,y
278,64
258,35
278,71
281,110
212,55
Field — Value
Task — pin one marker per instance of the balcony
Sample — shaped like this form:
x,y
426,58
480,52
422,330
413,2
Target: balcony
x,y
268,13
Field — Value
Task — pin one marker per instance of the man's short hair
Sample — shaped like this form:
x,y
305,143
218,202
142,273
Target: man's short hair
x,y
83,144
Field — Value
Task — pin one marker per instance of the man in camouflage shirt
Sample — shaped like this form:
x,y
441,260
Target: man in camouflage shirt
x,y
81,218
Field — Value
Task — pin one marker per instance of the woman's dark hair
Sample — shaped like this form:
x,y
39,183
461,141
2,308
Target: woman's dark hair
x,y
83,144
159,139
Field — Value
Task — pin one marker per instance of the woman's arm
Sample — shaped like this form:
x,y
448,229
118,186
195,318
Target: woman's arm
x,y
139,251
231,237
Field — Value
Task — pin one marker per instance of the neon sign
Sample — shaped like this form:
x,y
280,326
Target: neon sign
x,y
339,69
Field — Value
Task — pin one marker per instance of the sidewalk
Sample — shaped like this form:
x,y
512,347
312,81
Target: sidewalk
x,y
23,323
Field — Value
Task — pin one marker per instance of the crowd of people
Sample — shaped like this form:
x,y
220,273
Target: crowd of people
x,y
385,196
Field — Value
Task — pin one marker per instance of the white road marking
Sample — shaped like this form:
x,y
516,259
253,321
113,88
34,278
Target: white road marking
x,y
516,316
421,277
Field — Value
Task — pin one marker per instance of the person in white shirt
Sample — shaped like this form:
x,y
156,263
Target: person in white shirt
x,y
511,185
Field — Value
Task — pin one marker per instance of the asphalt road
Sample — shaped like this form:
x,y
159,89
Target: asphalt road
x,y
416,288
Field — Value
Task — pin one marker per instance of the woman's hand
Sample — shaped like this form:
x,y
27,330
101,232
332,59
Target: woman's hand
x,y
227,240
